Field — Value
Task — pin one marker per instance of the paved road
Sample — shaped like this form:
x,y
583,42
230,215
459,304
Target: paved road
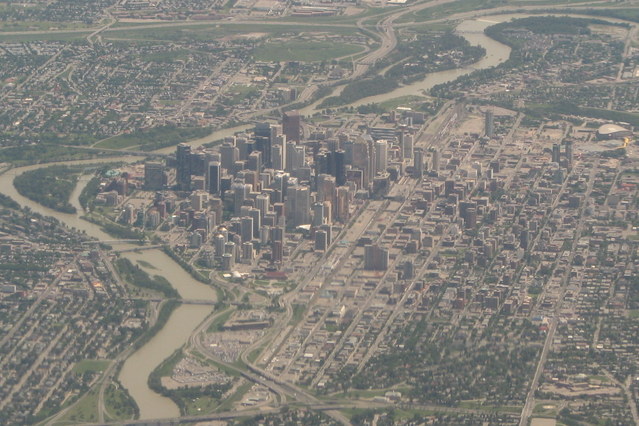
x,y
552,328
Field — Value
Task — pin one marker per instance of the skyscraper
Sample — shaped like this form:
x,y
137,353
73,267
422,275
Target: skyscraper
x,y
435,160
342,210
240,193
292,126
489,124
381,156
213,177
418,162
298,205
154,178
229,155
569,154
264,138
278,157
339,158
556,153
247,228
361,156
408,142
183,173
375,258
325,187
318,215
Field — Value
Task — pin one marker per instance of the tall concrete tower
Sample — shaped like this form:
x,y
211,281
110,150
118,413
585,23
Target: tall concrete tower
x,y
489,125
381,156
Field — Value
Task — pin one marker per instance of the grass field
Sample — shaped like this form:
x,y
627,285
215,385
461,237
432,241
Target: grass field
x,y
85,411
298,314
45,36
94,365
158,137
305,51
237,396
240,92
42,26
200,405
206,31
167,56
219,321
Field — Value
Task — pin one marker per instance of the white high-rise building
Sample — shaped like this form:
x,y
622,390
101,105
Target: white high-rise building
x,y
381,156
298,205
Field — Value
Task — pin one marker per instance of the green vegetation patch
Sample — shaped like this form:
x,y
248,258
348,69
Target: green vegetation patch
x,y
206,31
447,9
115,229
50,186
240,93
155,138
92,365
42,153
220,320
85,411
89,192
237,396
625,14
298,314
137,277
566,108
118,403
168,56
305,51
359,90
45,36
41,25
8,202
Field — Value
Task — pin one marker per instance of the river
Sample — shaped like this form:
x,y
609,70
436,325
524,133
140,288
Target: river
x,y
186,318
182,322
473,31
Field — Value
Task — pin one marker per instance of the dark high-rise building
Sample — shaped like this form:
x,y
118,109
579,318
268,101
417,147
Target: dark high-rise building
x,y
183,174
154,177
449,187
292,126
375,258
321,240
264,138
246,228
418,162
323,163
277,251
198,164
435,160
569,154
213,177
225,184
489,125
556,153
470,218
524,239
339,158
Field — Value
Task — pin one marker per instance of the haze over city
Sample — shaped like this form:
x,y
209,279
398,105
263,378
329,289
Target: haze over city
x,y
267,212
